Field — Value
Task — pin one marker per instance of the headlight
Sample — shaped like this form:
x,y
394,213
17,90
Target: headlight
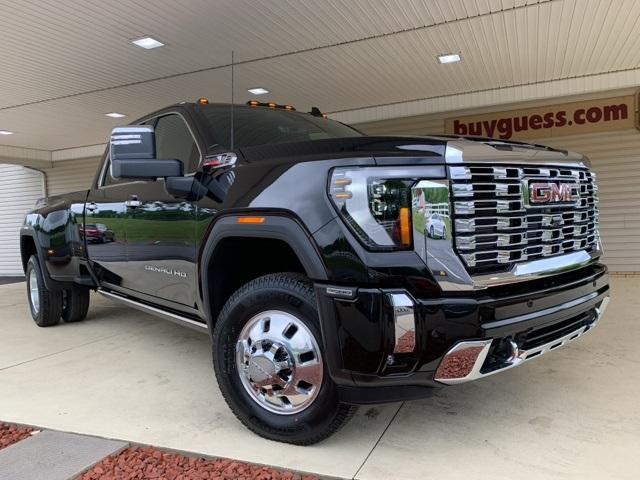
x,y
376,203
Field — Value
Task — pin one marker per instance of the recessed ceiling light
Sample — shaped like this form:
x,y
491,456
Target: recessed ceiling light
x,y
258,91
450,58
5,132
115,115
147,43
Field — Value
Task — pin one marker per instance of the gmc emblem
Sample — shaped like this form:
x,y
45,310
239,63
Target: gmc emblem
x,y
547,192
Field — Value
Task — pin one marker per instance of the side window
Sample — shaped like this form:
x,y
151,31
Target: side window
x,y
174,140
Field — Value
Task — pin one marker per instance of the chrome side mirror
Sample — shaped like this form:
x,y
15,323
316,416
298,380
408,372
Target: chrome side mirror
x,y
133,155
133,141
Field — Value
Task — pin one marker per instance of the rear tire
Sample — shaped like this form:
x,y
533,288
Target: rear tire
x,y
272,300
76,304
45,305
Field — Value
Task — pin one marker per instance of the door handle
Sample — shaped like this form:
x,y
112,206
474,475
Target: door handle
x,y
92,206
133,202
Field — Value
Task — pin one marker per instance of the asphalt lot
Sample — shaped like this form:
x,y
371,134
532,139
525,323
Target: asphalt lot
x,y
122,374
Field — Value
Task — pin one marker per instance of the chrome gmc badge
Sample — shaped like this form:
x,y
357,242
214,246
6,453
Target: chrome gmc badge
x,y
541,193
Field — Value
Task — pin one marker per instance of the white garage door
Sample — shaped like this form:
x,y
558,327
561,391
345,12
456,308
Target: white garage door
x,y
20,187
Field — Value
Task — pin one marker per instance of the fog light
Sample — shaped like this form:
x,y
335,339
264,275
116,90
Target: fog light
x,y
463,362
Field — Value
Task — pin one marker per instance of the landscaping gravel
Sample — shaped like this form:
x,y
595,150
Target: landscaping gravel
x,y
140,463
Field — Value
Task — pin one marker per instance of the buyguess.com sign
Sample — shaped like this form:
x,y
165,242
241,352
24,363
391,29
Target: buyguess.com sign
x,y
575,118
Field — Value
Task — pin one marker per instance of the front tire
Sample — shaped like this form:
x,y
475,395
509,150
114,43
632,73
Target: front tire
x,y
45,305
270,365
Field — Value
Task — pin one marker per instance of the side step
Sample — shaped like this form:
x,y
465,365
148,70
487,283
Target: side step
x,y
172,317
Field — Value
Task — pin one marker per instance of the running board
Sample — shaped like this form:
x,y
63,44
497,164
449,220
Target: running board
x,y
172,317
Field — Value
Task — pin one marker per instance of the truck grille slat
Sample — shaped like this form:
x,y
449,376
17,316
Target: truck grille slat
x,y
496,225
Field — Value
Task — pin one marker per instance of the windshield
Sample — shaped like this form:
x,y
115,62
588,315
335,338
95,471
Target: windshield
x,y
262,126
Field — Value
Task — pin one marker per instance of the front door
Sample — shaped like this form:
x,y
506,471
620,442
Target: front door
x,y
161,240
106,219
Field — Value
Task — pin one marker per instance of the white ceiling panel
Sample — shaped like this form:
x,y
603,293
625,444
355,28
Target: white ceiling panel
x,y
53,48
64,63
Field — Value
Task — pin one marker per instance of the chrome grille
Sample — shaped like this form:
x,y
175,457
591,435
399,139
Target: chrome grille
x,y
495,227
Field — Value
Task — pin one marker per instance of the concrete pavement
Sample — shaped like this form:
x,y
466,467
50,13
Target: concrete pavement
x,y
126,375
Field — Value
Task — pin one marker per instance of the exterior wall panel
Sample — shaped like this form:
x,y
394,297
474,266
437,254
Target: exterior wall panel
x,y
20,188
71,175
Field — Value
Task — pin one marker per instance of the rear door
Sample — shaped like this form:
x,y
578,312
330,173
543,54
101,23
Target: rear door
x,y
161,239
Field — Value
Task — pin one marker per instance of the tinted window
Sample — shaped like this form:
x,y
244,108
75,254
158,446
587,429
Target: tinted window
x,y
174,141
261,126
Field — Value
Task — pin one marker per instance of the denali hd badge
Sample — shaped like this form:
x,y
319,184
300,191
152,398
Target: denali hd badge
x,y
548,192
165,270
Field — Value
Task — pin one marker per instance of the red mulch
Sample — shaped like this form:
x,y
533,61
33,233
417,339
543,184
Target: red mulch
x,y
459,364
150,463
10,434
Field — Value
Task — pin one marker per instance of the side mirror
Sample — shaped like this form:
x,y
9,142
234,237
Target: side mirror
x,y
133,155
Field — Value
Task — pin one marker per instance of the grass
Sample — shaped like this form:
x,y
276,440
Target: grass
x,y
144,230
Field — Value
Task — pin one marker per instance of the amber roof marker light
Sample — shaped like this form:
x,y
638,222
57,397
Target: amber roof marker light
x,y
251,220
272,105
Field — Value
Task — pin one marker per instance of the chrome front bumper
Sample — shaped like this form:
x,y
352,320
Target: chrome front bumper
x,y
465,360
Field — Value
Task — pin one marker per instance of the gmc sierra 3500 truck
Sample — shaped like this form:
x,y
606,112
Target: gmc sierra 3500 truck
x,y
330,268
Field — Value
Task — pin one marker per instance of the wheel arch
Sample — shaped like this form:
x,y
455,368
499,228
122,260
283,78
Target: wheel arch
x,y
27,248
285,230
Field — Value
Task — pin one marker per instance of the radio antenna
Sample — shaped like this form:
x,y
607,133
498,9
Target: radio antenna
x,y
232,85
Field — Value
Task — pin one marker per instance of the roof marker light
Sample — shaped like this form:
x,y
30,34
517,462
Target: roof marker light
x,y
251,220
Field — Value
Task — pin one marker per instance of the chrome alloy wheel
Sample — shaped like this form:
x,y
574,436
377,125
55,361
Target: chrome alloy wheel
x,y
34,293
279,362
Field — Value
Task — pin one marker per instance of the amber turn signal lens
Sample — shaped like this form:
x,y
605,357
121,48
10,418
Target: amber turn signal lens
x,y
251,219
405,227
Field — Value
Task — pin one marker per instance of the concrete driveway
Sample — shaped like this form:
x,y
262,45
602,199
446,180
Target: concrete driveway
x,y
123,374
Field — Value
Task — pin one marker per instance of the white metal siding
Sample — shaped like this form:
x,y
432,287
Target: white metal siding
x,y
71,176
20,187
616,160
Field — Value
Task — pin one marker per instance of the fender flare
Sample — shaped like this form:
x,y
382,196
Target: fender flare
x,y
277,227
50,283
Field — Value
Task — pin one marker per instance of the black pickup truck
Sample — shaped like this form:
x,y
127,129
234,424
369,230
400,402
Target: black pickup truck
x,y
329,268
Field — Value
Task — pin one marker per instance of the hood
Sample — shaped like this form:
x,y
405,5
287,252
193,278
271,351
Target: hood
x,y
389,150
376,146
